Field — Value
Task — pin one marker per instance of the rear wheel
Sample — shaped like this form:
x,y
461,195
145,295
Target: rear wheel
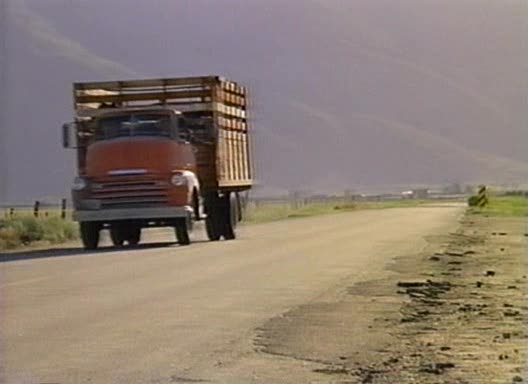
x,y
211,227
90,234
222,216
229,216
212,221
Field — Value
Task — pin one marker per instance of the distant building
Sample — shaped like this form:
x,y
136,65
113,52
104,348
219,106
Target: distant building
x,y
420,193
469,189
407,194
453,189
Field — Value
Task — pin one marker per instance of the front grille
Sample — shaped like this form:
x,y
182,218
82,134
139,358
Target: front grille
x,y
130,194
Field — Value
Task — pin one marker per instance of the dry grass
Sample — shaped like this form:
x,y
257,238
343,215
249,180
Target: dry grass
x,y
19,231
266,212
504,206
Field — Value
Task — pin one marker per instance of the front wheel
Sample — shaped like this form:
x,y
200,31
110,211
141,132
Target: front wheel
x,y
213,219
182,229
90,235
134,236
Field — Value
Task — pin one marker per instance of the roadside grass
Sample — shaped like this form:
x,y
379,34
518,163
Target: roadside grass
x,y
266,212
503,206
25,230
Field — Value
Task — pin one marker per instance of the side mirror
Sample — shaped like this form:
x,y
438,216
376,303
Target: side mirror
x,y
69,135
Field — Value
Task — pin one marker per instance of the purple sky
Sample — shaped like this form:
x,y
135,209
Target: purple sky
x,y
346,94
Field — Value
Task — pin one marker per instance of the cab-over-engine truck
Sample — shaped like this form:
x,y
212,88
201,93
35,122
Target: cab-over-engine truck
x,y
159,152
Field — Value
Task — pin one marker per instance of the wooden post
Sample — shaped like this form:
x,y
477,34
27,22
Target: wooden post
x,y
36,207
63,209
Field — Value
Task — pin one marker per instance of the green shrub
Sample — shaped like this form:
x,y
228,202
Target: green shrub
x,y
26,230
9,238
71,230
30,229
59,231
473,201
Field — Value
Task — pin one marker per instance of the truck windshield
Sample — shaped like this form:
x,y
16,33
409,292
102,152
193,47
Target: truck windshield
x,y
133,125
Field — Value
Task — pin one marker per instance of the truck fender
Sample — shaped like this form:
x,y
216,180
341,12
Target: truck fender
x,y
192,182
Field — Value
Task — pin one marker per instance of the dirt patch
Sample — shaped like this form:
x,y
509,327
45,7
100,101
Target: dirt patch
x,y
455,314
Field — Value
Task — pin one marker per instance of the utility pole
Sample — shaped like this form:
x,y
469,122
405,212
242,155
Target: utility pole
x,y
3,100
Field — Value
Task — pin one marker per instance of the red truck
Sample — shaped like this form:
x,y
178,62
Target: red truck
x,y
159,152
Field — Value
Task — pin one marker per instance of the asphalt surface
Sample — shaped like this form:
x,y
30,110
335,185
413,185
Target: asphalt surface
x,y
171,314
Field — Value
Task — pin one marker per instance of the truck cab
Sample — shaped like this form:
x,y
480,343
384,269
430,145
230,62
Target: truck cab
x,y
139,170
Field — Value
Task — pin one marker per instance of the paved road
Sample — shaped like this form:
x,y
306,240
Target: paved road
x,y
186,314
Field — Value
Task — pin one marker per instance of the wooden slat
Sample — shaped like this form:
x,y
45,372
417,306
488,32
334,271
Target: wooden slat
x,y
242,184
229,159
239,156
120,85
243,148
162,96
220,155
235,156
231,99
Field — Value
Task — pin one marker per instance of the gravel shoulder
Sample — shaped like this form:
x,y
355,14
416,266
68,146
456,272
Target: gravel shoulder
x,y
455,313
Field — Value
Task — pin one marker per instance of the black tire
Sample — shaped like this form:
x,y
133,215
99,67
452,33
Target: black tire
x,y
212,221
134,235
240,206
120,233
90,235
182,232
211,227
196,205
117,234
229,216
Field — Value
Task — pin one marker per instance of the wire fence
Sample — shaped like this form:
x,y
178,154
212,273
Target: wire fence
x,y
62,207
38,209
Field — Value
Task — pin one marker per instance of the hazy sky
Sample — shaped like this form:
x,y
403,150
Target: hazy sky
x,y
345,93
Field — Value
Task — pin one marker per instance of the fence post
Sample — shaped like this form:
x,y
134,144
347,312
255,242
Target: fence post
x,y
63,209
36,208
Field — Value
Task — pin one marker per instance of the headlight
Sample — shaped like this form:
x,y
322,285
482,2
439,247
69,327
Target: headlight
x,y
178,180
79,184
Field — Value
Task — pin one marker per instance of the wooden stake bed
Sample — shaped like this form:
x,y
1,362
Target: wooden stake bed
x,y
224,162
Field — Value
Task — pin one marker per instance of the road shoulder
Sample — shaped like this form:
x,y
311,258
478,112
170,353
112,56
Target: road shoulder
x,y
453,314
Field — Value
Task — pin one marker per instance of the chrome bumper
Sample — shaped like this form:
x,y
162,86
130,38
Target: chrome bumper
x,y
133,213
